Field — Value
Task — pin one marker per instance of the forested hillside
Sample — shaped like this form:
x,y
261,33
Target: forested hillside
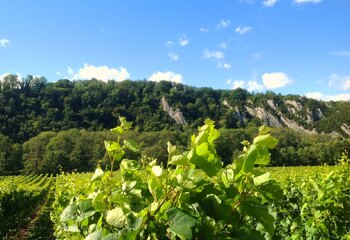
x,y
31,105
49,126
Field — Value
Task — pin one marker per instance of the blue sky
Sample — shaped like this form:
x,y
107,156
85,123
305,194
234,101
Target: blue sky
x,y
286,46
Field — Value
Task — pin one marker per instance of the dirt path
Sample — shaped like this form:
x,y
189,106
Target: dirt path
x,y
39,225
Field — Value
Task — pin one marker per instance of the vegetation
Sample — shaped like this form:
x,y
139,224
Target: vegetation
x,y
19,198
32,105
82,151
198,196
48,126
189,195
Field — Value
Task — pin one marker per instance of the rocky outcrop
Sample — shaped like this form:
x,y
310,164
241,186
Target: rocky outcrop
x,y
269,119
346,129
271,104
296,105
226,104
240,116
176,115
319,114
293,106
309,116
266,117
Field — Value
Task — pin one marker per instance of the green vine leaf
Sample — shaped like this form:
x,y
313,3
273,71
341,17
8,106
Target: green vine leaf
x,y
180,223
116,217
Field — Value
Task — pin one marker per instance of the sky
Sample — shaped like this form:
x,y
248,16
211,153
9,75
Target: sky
x,y
286,46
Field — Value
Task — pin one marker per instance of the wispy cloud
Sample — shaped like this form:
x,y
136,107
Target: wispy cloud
x,y
257,56
166,76
243,30
70,71
224,65
213,54
223,24
339,82
228,81
169,43
307,1
103,73
223,45
183,41
4,42
325,97
341,53
203,29
269,3
173,56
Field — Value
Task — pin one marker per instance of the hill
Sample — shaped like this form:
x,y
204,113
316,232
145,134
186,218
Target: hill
x,y
32,105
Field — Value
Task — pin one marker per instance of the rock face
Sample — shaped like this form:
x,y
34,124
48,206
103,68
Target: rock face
x,y
346,129
266,117
176,115
296,105
240,116
280,120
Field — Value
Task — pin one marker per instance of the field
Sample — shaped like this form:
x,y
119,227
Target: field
x,y
194,197
315,202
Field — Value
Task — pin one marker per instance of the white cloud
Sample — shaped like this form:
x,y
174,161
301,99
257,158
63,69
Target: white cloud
x,y
275,80
254,86
3,76
243,30
339,82
203,29
251,85
224,65
169,43
269,3
173,56
223,24
314,95
228,81
341,53
4,42
19,76
166,76
213,54
324,97
307,1
269,81
238,84
183,41
103,73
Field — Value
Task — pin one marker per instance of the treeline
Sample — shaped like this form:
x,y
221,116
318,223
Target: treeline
x,y
82,151
32,105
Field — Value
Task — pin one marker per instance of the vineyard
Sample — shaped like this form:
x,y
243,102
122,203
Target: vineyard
x,y
193,197
20,197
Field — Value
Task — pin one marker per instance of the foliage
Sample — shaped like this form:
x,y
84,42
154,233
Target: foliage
x,y
316,204
19,197
146,200
32,105
10,156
